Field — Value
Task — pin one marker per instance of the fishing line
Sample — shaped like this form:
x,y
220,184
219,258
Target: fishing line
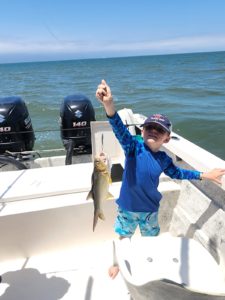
x,y
102,143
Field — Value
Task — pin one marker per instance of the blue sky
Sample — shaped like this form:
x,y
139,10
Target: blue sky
x,y
40,30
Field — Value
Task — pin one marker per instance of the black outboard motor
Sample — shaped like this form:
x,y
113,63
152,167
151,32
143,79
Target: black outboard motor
x,y
16,131
76,114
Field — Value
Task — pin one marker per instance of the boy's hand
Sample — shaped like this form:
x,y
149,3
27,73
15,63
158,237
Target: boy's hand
x,y
104,95
214,175
103,92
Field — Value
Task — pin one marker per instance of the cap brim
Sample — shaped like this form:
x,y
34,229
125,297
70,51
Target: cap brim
x,y
153,122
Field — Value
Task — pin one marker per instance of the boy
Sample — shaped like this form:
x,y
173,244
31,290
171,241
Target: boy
x,y
139,198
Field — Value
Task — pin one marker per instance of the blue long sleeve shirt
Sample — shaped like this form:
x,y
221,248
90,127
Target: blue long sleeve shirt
x,y
139,189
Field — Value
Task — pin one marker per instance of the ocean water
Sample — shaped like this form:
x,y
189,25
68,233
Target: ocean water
x,y
188,88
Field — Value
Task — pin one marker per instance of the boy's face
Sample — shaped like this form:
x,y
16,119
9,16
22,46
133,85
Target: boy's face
x,y
154,136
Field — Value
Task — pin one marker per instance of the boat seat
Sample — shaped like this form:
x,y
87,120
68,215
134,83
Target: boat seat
x,y
40,182
167,267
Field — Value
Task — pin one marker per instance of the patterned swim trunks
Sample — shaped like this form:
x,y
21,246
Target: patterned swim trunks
x,y
127,222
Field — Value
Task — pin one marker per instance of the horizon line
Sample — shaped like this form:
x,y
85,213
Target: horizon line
x,y
111,57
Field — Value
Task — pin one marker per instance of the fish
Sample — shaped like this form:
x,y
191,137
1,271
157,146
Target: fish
x,y
100,180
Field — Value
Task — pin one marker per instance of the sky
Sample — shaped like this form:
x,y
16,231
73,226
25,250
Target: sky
x,y
42,30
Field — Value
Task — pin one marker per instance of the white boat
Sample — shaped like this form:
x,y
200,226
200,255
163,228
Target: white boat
x,y
48,250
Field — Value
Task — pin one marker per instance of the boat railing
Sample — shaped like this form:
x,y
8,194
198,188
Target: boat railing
x,y
193,155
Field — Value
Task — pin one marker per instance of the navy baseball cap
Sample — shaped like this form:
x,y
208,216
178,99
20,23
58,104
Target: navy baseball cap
x,y
159,119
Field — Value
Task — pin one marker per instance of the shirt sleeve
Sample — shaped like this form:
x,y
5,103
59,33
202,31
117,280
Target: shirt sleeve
x,y
126,140
177,173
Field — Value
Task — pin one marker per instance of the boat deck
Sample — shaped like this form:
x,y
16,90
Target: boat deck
x,y
80,273
50,251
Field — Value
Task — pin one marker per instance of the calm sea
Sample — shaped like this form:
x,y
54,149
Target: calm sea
x,y
189,88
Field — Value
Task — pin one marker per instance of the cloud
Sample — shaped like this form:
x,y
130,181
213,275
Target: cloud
x,y
176,44
185,44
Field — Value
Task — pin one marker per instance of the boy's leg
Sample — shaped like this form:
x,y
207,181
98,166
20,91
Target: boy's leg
x,y
114,269
148,224
125,225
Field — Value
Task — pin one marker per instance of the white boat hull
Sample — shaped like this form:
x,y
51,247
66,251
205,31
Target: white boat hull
x,y
46,222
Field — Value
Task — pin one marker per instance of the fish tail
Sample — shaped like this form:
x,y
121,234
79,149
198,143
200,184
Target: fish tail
x,y
98,214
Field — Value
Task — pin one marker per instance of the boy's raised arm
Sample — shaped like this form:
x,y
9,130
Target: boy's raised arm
x,y
104,95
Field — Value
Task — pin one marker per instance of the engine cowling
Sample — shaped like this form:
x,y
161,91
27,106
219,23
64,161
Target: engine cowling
x,y
16,131
76,114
